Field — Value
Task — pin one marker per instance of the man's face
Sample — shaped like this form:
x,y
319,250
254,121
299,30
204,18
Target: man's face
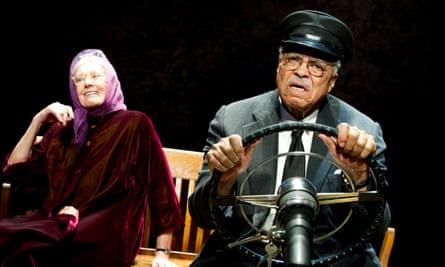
x,y
302,81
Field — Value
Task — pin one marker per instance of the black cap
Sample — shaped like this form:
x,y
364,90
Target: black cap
x,y
317,33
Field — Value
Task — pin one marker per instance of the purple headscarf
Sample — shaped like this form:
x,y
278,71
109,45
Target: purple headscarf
x,y
114,98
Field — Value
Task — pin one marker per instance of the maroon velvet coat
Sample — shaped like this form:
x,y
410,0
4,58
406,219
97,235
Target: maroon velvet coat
x,y
118,172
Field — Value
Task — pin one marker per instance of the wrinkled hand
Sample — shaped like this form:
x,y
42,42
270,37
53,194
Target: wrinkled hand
x,y
230,158
351,149
161,260
55,112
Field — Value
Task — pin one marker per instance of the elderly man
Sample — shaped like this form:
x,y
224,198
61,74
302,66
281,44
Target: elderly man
x,y
313,47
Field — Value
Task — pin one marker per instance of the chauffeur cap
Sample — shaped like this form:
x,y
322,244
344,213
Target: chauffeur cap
x,y
318,34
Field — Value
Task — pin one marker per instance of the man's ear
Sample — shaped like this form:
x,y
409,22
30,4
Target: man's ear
x,y
332,82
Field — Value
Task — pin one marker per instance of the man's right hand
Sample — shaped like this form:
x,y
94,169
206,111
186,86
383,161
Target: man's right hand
x,y
229,157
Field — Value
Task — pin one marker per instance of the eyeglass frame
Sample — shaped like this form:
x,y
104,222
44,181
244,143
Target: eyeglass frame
x,y
94,76
285,58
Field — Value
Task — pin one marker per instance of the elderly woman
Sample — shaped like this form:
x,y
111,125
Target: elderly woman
x,y
91,177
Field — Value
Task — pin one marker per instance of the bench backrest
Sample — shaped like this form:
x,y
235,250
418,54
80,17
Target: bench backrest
x,y
184,165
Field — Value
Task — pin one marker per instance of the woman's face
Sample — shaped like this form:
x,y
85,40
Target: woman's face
x,y
89,79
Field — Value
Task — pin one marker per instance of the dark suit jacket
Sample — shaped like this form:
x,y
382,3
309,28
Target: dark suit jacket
x,y
243,117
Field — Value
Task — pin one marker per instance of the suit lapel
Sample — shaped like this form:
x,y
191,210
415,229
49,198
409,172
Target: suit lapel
x,y
318,168
263,115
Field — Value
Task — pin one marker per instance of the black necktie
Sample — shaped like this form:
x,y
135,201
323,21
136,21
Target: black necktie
x,y
295,164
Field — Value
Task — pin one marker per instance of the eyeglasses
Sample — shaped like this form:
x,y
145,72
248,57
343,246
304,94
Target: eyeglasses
x,y
315,66
93,76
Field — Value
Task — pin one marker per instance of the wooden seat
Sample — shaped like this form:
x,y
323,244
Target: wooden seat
x,y
387,244
185,165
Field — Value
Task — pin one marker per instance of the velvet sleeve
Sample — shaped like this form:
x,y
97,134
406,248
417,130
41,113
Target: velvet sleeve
x,y
166,214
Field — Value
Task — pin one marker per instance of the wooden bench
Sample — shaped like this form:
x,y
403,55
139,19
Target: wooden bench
x,y
185,165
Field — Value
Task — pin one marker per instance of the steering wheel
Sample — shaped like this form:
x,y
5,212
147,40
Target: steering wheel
x,y
289,241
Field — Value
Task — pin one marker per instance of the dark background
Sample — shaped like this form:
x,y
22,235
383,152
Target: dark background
x,y
178,61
